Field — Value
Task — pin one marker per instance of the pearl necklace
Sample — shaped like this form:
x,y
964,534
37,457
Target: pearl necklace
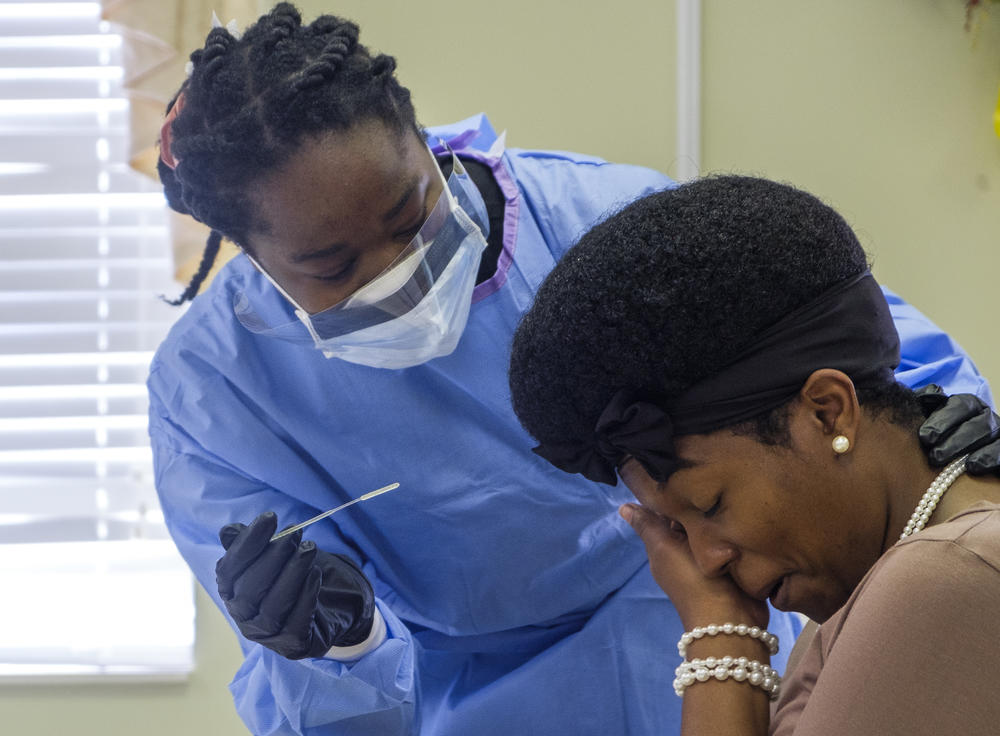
x,y
931,497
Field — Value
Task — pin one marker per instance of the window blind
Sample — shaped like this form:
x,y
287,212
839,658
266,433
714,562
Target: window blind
x,y
91,583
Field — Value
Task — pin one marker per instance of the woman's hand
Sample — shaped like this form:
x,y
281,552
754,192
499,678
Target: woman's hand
x,y
700,600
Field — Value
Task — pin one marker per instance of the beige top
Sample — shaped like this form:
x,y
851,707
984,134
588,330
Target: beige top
x,y
916,648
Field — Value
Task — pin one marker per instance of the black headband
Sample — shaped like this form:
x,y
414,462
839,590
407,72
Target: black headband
x,y
848,327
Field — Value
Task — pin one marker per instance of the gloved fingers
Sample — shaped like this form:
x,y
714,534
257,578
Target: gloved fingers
x,y
299,624
261,575
243,550
229,532
931,397
985,460
967,437
278,602
955,412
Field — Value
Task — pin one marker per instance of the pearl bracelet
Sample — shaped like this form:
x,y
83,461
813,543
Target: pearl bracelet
x,y
740,669
755,632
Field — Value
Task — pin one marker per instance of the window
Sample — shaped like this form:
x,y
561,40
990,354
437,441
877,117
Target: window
x,y
92,584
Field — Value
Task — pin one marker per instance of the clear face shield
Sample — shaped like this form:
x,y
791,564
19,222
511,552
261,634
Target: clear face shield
x,y
416,308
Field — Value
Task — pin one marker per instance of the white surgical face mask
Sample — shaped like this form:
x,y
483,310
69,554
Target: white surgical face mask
x,y
417,308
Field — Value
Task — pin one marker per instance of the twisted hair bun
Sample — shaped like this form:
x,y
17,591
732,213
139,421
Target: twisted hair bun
x,y
251,101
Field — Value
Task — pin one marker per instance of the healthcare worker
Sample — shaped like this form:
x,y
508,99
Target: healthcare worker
x,y
362,339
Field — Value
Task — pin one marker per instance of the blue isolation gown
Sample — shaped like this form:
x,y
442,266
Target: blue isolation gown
x,y
516,599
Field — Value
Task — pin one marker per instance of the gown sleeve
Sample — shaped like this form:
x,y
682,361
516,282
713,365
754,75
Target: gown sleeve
x,y
929,355
272,694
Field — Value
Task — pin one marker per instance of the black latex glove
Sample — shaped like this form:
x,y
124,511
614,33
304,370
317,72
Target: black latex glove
x,y
957,425
290,596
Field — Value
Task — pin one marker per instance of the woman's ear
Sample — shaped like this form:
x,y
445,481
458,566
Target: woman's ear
x,y
831,405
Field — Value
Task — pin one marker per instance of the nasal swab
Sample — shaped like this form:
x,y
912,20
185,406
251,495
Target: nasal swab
x,y
313,520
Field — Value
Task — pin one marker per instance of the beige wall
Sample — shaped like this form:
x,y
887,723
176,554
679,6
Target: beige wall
x,y
883,109
567,75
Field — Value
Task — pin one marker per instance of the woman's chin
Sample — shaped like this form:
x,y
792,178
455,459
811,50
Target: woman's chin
x,y
818,607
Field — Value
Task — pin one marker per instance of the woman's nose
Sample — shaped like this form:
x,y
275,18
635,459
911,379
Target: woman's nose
x,y
712,555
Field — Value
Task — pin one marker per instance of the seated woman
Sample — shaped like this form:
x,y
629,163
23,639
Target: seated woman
x,y
723,348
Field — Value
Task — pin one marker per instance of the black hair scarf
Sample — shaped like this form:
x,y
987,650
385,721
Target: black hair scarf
x,y
848,327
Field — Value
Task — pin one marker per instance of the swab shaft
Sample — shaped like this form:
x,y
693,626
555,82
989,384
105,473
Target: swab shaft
x,y
313,520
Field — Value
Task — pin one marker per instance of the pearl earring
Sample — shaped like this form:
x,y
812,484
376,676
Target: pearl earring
x,y
841,444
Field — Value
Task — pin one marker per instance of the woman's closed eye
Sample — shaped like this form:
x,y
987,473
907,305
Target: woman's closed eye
x,y
714,508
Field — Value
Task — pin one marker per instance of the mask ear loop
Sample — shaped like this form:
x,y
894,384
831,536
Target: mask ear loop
x,y
300,313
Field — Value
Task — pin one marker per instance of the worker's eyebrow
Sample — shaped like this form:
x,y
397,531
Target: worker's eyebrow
x,y
411,188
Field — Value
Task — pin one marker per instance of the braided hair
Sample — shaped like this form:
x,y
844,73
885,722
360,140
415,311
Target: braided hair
x,y
250,102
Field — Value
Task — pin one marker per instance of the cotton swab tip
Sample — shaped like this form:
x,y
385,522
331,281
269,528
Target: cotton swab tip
x,y
379,491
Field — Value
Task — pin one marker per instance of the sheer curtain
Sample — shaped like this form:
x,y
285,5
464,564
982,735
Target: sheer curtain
x,y
157,37
91,583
